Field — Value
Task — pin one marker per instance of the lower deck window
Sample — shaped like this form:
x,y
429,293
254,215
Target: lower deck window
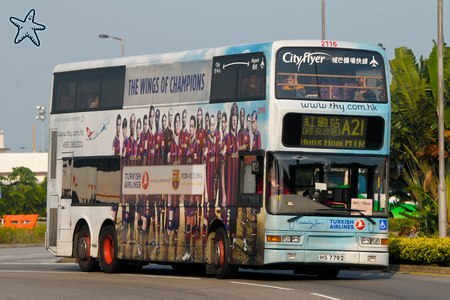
x,y
92,180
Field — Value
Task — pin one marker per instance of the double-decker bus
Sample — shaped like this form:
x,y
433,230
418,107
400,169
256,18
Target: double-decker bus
x,y
263,156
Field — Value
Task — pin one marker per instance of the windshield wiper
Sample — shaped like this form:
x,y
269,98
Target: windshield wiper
x,y
368,218
307,214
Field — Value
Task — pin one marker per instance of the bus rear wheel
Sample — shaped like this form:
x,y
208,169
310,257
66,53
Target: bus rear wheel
x,y
108,250
221,251
86,262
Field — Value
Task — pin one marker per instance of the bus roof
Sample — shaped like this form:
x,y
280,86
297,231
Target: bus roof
x,y
192,55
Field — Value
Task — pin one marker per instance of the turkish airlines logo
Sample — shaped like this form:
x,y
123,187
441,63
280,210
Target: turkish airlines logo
x,y
360,224
145,180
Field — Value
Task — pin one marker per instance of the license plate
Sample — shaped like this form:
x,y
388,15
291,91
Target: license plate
x,y
332,257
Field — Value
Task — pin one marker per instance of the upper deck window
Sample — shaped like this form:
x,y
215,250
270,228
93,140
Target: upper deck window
x,y
88,90
239,77
330,74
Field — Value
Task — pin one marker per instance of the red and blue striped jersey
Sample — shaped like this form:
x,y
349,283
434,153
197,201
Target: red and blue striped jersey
x,y
144,143
168,137
244,140
231,159
218,138
193,155
200,137
134,147
256,141
116,146
139,147
150,142
175,153
159,147
127,147
210,159
184,140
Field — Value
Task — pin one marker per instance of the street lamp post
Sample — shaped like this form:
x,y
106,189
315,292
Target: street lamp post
x,y
323,19
41,116
105,36
442,188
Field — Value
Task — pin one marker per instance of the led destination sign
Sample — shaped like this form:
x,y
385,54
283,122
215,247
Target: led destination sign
x,y
333,131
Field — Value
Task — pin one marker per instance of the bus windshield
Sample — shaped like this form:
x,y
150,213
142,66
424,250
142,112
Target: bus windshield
x,y
312,184
330,74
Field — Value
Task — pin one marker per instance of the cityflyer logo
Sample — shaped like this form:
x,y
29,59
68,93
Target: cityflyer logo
x,y
360,224
176,179
145,180
307,58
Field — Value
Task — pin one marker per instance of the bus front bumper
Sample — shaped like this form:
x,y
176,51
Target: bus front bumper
x,y
342,259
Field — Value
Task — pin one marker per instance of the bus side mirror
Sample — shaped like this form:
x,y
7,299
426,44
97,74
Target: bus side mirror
x,y
256,167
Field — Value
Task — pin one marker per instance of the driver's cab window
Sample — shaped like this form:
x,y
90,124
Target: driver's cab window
x,y
277,180
250,178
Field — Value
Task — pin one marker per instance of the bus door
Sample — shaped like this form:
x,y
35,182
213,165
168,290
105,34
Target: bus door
x,y
249,204
67,194
53,194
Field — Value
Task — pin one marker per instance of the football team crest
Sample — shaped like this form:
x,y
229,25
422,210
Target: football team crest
x,y
176,179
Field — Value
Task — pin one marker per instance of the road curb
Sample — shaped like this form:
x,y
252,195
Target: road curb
x,y
20,245
68,260
419,269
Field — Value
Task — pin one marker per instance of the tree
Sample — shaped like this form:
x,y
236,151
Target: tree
x,y
22,194
414,92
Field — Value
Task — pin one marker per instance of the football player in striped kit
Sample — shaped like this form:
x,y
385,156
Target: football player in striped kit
x,y
193,157
173,220
230,176
210,160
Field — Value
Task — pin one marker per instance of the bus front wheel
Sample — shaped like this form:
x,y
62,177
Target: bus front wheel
x,y
85,261
221,251
108,250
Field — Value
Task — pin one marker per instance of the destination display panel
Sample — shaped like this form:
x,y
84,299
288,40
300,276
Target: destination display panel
x,y
333,131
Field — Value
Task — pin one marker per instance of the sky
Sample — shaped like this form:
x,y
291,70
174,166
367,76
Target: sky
x,y
149,26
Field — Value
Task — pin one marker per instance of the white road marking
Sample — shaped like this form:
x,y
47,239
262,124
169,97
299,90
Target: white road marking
x,y
324,296
263,285
37,263
41,272
162,276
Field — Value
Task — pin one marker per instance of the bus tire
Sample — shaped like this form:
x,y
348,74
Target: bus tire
x,y
86,262
108,250
221,250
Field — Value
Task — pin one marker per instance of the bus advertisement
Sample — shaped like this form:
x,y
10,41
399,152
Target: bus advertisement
x,y
262,156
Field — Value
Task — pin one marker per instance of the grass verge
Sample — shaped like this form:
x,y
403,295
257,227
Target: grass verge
x,y
22,235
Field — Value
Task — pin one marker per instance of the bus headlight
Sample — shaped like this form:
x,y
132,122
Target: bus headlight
x,y
287,239
296,239
291,239
370,240
284,239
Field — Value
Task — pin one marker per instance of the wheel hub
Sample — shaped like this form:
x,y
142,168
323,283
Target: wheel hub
x,y
82,248
216,254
